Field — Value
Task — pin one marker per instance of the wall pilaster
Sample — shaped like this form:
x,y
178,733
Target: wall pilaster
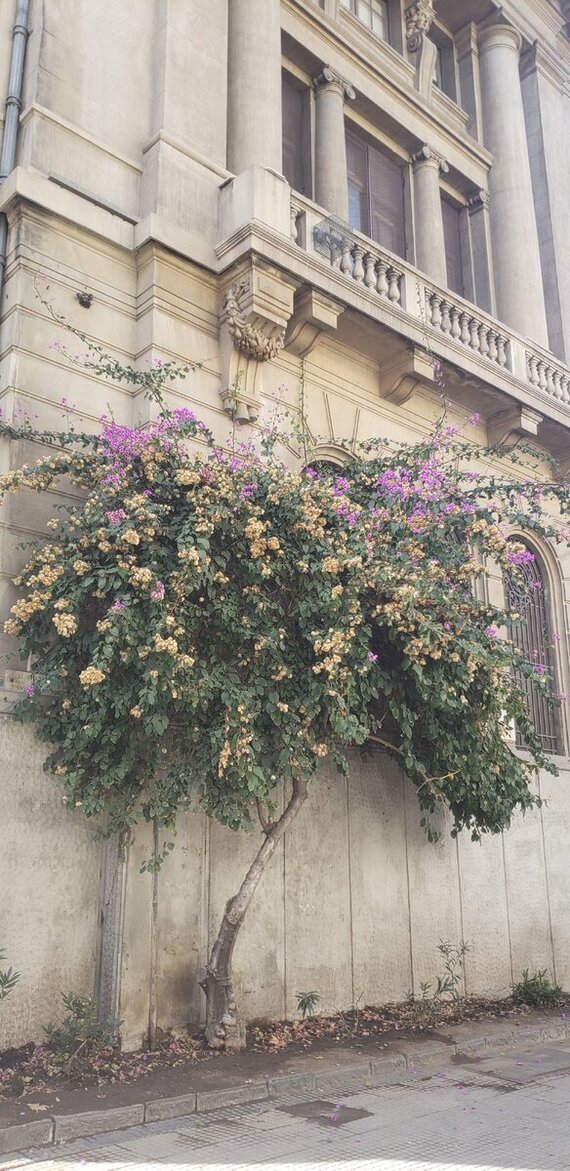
x,y
254,85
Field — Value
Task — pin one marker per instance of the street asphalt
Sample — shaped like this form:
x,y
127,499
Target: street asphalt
x,y
505,1112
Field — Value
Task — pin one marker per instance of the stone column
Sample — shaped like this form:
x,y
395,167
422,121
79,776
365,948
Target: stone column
x,y
254,85
430,244
330,143
516,253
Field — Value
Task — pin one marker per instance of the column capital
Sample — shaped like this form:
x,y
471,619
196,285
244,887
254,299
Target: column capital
x,y
430,157
504,36
481,200
419,17
328,78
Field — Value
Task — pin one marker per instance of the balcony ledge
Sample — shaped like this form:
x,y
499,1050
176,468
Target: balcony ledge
x,y
476,350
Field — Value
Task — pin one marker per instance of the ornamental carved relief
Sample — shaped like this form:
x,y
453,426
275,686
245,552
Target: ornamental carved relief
x,y
261,343
255,310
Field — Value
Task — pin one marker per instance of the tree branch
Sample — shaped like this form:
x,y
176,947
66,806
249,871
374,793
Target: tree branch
x,y
264,821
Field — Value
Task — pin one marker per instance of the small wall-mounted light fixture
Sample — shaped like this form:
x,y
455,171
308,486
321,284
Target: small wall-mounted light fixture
x,y
85,300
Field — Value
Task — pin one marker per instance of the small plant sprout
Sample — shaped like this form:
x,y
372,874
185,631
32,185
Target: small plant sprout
x,y
81,1032
307,1003
8,979
536,990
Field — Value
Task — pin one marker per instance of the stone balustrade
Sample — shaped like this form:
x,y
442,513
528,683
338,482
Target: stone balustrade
x,y
547,376
361,262
458,323
468,329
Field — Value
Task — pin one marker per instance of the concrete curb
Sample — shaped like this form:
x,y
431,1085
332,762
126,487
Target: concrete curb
x,y
59,1128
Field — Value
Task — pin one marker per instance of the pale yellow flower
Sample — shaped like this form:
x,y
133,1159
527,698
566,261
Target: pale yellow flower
x,y
65,624
90,676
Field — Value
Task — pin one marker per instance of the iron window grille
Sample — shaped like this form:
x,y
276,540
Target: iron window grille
x,y
533,636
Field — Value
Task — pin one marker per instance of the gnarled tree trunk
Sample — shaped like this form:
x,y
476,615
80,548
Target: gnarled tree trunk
x,y
224,1029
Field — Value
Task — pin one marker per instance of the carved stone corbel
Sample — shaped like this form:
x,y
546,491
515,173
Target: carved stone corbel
x,y
419,17
400,380
314,315
508,427
256,308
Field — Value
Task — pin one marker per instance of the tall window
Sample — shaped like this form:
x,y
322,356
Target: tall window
x,y
452,238
372,13
444,74
533,635
375,194
296,146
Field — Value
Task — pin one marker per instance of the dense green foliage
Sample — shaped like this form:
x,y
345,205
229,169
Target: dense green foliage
x,y
536,990
209,625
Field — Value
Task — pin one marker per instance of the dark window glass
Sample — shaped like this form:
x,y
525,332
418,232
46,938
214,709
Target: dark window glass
x,y
452,236
358,184
375,195
295,137
533,635
444,68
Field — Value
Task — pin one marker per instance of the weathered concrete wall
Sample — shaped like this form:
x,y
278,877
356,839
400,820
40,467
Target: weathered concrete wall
x,y
49,890
353,904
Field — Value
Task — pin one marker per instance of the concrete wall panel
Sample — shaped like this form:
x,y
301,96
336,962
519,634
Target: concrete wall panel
x,y
317,903
49,890
379,890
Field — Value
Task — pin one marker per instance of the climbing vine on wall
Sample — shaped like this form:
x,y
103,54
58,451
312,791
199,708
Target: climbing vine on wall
x,y
210,625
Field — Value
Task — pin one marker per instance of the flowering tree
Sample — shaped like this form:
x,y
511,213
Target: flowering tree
x,y
209,626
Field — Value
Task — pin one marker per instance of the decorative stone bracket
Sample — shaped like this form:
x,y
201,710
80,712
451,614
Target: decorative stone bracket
x,y
507,427
256,308
400,380
419,17
314,315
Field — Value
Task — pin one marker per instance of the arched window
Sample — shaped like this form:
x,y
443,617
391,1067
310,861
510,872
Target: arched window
x,y
533,635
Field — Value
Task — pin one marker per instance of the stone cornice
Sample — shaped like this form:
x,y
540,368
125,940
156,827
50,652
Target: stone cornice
x,y
328,78
540,57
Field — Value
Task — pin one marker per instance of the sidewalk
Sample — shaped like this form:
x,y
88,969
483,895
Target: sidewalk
x,y
254,1077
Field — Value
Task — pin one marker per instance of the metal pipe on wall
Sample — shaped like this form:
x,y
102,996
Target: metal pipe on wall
x,y
12,117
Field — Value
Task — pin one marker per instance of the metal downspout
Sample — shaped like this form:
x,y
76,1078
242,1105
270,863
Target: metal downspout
x,y
12,117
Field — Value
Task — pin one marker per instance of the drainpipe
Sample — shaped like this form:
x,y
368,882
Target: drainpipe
x,y
12,117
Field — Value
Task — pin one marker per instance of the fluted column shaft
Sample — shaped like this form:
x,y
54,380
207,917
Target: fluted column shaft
x,y
516,252
331,180
254,85
430,243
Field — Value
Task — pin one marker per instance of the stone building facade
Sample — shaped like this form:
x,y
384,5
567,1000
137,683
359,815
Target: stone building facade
x,y
313,200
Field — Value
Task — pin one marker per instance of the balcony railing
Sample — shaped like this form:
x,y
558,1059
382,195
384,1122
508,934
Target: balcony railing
x,y
368,267
467,328
364,264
